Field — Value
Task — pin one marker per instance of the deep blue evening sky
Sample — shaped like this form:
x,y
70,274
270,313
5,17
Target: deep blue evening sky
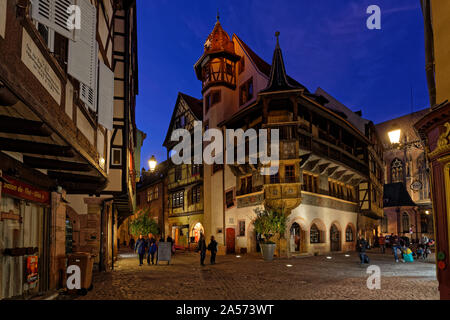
x,y
325,43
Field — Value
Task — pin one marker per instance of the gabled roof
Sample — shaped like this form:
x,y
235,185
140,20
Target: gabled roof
x,y
194,104
264,67
396,195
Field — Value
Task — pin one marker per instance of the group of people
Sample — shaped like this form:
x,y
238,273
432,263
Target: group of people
x,y
400,248
212,247
149,246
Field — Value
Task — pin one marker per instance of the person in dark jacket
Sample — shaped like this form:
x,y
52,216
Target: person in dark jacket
x,y
172,247
131,243
213,248
361,246
151,251
140,248
202,249
395,246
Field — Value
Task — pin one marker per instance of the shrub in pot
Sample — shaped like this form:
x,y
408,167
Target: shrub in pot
x,y
269,223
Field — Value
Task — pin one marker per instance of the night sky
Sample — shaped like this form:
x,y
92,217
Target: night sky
x,y
325,44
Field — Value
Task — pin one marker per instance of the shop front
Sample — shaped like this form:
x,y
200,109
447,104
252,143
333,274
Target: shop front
x,y
24,239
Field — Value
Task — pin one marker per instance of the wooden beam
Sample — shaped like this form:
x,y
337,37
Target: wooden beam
x,y
43,163
24,146
24,126
71,177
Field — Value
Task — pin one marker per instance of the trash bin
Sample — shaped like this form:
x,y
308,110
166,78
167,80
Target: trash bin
x,y
85,261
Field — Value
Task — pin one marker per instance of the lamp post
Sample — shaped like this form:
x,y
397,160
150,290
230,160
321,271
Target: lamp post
x,y
152,163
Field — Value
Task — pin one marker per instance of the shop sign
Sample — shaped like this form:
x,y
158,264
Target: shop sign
x,y
24,191
32,269
35,61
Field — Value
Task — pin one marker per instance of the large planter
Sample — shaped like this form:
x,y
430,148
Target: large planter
x,y
268,250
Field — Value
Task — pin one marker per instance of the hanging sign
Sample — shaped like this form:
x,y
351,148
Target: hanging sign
x,y
25,191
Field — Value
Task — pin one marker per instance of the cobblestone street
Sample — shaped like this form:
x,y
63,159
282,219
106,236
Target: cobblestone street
x,y
250,277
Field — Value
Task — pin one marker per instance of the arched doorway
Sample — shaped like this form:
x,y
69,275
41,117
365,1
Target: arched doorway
x,y
335,238
196,231
295,235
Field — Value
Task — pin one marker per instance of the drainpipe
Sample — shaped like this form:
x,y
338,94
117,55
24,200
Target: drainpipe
x,y
112,236
429,51
100,267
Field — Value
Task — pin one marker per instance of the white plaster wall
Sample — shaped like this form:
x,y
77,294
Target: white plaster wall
x,y
304,215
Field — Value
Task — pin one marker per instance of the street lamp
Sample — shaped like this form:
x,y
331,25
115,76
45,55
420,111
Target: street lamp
x,y
152,163
394,136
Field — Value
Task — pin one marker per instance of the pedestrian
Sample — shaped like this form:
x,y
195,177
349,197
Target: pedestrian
x,y
172,245
407,254
151,251
140,248
202,249
382,243
131,243
395,246
361,246
213,248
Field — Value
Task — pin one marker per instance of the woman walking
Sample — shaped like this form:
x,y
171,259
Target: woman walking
x,y
202,249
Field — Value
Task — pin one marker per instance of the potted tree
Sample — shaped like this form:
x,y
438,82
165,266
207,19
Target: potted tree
x,y
269,223
144,224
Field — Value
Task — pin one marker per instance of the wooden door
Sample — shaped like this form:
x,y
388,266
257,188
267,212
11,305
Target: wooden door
x,y
335,238
231,240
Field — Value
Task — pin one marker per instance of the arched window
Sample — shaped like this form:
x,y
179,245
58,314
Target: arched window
x,y
314,234
349,234
397,170
405,222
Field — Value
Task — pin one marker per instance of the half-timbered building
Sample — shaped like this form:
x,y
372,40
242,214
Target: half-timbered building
x,y
65,92
184,181
330,173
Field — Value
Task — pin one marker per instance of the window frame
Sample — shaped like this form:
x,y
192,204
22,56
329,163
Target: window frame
x,y
241,228
316,235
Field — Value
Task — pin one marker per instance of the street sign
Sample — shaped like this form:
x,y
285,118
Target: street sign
x,y
164,252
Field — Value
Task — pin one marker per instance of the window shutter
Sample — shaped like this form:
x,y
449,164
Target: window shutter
x,y
53,14
105,96
42,11
61,16
82,64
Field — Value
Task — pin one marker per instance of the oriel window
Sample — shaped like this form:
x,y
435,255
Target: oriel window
x,y
289,173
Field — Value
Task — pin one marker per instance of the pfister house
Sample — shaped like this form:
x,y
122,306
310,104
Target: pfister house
x,y
67,137
330,178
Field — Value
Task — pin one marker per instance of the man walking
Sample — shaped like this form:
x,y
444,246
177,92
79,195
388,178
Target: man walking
x,y
202,249
395,246
361,246
213,248
140,247
151,251
382,243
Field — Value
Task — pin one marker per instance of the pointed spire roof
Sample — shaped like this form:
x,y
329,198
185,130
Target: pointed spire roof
x,y
219,40
278,80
